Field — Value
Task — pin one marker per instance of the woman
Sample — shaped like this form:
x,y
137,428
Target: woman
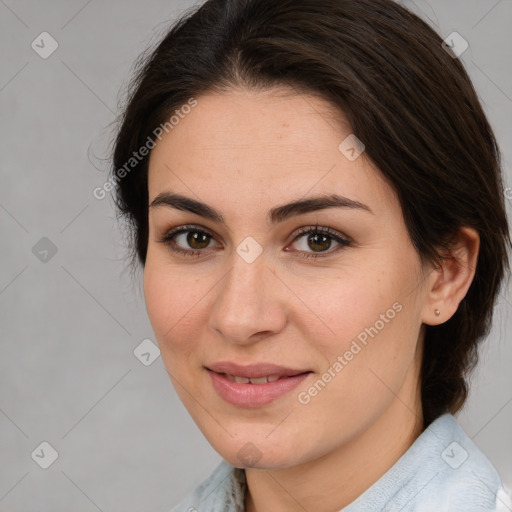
x,y
315,196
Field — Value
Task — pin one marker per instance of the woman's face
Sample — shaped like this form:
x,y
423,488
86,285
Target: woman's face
x,y
248,298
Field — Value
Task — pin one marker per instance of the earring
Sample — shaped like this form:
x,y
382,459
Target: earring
x,y
437,312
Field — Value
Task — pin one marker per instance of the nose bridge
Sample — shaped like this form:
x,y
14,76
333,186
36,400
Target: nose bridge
x,y
244,285
245,304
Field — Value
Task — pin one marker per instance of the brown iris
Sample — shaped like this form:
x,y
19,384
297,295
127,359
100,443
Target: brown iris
x,y
201,239
319,242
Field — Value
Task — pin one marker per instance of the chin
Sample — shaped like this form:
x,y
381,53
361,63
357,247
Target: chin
x,y
258,453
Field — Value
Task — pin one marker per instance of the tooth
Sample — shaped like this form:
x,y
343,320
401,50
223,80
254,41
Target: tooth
x,y
272,378
259,380
241,380
229,377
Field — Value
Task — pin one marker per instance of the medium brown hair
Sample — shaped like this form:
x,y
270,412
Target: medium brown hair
x,y
408,100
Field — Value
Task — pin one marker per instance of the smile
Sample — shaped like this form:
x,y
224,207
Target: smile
x,y
246,380
254,385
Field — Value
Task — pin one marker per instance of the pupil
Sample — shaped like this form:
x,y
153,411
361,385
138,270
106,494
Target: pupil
x,y
317,239
194,240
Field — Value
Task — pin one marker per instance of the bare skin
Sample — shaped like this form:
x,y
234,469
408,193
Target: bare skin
x,y
244,153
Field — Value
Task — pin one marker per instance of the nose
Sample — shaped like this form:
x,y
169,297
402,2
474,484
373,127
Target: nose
x,y
249,306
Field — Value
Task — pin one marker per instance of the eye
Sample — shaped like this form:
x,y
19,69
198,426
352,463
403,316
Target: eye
x,y
187,240
192,241
319,240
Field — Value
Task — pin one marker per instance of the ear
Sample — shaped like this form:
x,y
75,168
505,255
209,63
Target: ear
x,y
449,283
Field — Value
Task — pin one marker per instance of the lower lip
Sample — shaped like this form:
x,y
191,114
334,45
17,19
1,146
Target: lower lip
x,y
253,395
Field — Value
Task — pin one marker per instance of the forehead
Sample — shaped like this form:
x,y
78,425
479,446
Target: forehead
x,y
274,144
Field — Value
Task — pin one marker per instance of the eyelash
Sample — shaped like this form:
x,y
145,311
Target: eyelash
x,y
168,239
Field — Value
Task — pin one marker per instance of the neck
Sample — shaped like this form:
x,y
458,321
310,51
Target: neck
x,y
338,478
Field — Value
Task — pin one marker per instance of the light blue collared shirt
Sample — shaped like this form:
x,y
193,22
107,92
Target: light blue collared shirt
x,y
442,471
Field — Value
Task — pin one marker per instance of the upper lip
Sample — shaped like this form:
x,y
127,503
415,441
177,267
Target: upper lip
x,y
253,371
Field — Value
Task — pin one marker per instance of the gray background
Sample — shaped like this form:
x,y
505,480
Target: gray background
x,y
70,324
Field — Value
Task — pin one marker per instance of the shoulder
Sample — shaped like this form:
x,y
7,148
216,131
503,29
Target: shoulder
x,y
465,476
443,471
222,491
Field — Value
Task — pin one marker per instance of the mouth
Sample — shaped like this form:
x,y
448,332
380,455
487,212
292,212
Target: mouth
x,y
247,380
253,385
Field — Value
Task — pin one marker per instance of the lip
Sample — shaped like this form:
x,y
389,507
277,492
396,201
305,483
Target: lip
x,y
253,395
254,371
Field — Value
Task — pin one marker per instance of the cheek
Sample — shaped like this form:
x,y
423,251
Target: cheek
x,y
370,312
173,302
366,361
351,301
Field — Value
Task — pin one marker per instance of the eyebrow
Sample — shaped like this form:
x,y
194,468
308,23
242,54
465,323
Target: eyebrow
x,y
275,215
